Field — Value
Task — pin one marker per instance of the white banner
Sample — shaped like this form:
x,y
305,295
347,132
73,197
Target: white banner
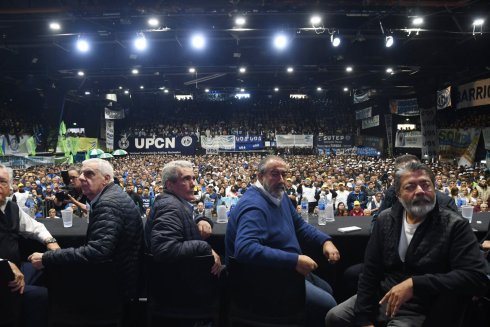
x,y
430,141
113,114
362,95
109,135
299,141
370,122
364,113
14,145
473,94
225,142
408,139
444,98
486,139
458,144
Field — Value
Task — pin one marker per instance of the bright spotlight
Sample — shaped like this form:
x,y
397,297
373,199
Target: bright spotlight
x,y
80,73
346,89
280,41
82,45
417,21
389,70
141,87
140,42
242,70
290,69
335,39
192,70
315,20
120,87
198,41
206,90
389,41
126,91
478,22
348,69
242,90
87,92
153,22
276,89
165,91
240,21
319,89
55,26
135,71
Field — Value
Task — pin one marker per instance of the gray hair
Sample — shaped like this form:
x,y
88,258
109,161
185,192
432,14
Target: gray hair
x,y
103,166
404,159
10,172
169,172
262,167
411,167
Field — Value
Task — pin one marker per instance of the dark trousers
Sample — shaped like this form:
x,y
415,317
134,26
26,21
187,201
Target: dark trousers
x,y
34,310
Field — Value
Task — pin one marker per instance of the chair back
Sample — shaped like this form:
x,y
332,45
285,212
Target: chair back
x,y
265,295
183,287
84,293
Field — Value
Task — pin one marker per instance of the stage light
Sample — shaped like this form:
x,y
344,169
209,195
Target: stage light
x,y
120,87
335,39
389,70
280,41
242,90
417,21
153,22
319,89
389,41
315,20
242,70
192,70
276,89
198,41
349,69
83,45
140,42
290,69
165,91
126,91
478,26
240,21
346,89
135,71
478,22
80,73
87,92
55,26
206,90
141,87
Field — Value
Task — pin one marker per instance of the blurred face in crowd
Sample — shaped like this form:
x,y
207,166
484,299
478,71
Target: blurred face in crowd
x,y
357,188
482,183
474,193
200,207
417,193
184,184
273,179
74,181
4,185
484,207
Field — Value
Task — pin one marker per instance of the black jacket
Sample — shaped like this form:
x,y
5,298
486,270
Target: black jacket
x,y
115,233
171,233
442,258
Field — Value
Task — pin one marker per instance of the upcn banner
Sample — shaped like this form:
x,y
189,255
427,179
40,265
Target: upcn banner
x,y
185,145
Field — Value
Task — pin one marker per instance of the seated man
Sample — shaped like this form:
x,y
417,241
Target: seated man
x,y
14,223
171,232
265,229
417,252
114,233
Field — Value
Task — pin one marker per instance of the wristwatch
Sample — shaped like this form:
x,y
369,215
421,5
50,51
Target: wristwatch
x,y
50,240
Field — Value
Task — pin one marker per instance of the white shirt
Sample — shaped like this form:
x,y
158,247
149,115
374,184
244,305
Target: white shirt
x,y
21,198
406,236
30,228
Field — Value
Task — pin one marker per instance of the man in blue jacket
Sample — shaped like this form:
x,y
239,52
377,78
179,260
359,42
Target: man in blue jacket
x,y
265,229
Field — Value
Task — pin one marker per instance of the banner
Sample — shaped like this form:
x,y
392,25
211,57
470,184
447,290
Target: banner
x,y
486,139
444,98
406,107
222,142
370,122
473,94
335,141
408,139
389,133
76,144
109,135
212,151
364,113
14,144
428,128
363,95
249,142
184,145
369,141
299,141
114,114
459,144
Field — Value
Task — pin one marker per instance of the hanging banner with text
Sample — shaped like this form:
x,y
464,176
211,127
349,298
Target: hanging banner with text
x,y
473,94
249,142
370,122
364,113
369,141
299,141
444,98
430,141
486,138
335,141
405,107
408,139
185,145
109,135
221,142
458,144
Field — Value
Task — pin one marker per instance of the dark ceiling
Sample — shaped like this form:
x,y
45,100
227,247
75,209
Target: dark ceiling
x,y
444,51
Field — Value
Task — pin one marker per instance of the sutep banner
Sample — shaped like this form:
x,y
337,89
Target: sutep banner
x,y
185,145
335,141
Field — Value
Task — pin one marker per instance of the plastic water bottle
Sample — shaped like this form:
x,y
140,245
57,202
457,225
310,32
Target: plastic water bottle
x,y
322,211
329,214
208,206
304,209
31,205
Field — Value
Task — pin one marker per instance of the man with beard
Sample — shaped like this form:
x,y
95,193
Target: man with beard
x,y
265,229
417,254
483,190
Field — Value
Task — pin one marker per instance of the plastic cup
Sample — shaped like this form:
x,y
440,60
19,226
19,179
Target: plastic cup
x,y
467,212
67,216
221,211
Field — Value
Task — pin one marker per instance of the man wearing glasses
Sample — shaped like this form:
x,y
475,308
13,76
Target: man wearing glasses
x,y
265,229
76,195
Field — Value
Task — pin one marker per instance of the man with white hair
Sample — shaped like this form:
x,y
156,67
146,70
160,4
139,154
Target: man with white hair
x,y
114,233
418,253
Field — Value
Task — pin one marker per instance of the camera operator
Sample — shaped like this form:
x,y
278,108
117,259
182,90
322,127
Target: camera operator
x,y
74,194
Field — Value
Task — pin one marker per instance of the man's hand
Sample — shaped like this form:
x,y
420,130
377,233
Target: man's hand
x,y
331,252
53,246
305,265
216,268
204,229
18,283
486,245
37,260
398,295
